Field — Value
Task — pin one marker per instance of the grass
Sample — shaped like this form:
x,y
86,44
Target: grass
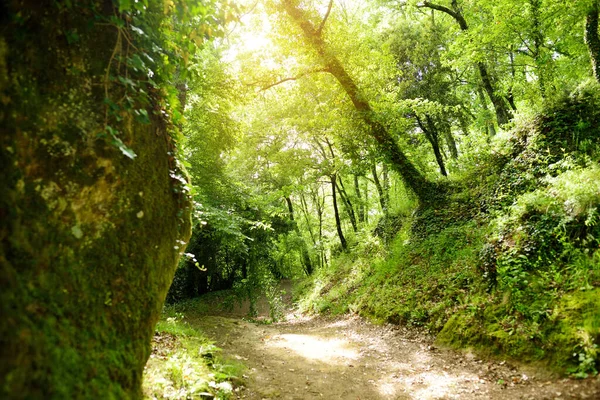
x,y
185,364
418,282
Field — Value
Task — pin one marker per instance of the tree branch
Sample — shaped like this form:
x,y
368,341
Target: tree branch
x,y
454,14
322,25
292,78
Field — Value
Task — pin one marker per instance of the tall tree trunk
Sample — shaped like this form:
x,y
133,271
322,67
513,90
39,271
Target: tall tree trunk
x,y
347,204
304,208
502,114
361,203
465,116
592,40
413,179
342,191
306,261
86,258
538,41
319,203
432,136
450,141
366,201
320,210
499,103
491,129
513,74
385,174
382,199
338,222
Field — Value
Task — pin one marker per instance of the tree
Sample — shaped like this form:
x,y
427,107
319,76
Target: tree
x,y
428,127
499,103
308,267
414,180
592,39
94,206
425,85
338,223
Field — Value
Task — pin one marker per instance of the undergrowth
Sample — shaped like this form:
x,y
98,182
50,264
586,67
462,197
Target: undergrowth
x,y
510,265
185,364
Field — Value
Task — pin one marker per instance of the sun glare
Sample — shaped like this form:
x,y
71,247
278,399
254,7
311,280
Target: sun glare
x,y
316,348
251,40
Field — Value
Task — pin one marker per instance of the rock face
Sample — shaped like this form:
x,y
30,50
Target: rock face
x,y
89,238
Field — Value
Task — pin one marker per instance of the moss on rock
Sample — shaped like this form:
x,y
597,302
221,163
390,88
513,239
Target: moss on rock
x,y
89,238
566,342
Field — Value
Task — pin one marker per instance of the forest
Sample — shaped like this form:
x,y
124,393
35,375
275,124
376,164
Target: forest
x,y
190,186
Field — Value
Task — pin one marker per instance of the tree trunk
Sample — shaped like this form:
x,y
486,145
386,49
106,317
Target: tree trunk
x,y
347,204
304,207
413,179
306,261
491,129
319,203
382,198
361,203
89,237
450,141
502,114
366,201
538,41
338,222
432,135
385,174
592,40
342,191
511,99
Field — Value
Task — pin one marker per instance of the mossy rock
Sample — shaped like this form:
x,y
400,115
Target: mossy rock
x,y
573,329
89,238
487,338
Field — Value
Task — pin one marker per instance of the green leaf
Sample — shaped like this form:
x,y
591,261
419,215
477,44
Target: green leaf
x,y
126,81
72,36
136,62
142,116
118,143
124,5
117,21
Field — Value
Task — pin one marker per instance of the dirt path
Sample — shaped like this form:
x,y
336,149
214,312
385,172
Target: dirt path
x,y
348,358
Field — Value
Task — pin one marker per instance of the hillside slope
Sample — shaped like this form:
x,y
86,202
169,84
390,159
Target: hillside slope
x,y
510,265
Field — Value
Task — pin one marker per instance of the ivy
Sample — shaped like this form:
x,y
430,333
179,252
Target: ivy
x,y
154,41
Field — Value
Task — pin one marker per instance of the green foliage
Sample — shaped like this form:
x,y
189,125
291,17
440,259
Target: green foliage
x,y
185,364
521,278
570,125
419,282
509,235
237,248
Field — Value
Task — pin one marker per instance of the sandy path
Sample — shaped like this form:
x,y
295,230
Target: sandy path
x,y
350,359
